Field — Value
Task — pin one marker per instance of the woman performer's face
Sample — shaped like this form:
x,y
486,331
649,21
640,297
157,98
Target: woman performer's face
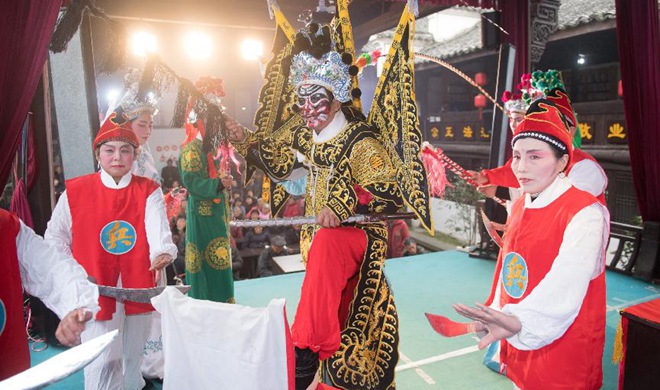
x,y
514,119
142,127
316,105
535,164
116,158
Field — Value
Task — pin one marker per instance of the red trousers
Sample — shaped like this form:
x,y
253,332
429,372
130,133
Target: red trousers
x,y
333,260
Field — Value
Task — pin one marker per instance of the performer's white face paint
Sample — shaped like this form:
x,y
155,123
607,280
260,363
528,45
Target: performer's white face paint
x,y
116,158
535,164
316,106
514,119
142,126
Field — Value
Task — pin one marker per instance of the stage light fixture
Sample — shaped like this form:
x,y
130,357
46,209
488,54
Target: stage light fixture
x,y
143,43
111,96
252,49
199,45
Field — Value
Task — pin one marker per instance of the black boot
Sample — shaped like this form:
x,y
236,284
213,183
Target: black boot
x,y
307,363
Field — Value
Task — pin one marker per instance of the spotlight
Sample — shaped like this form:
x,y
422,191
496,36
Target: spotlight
x,y
252,49
199,45
111,96
143,43
582,59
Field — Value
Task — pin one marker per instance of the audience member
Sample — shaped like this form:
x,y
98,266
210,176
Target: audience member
x,y
235,231
170,174
238,202
249,204
236,259
294,208
397,232
179,264
292,235
411,248
265,263
256,237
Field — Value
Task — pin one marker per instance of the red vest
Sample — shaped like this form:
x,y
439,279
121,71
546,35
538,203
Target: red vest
x,y
574,361
14,352
580,155
109,235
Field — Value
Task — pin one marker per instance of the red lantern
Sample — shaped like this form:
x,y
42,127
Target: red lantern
x,y
480,78
480,103
620,89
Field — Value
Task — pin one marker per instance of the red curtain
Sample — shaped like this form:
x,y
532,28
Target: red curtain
x,y
19,202
515,20
25,30
638,37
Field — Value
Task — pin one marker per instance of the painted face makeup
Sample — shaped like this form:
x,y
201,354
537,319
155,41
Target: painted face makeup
x,y
315,106
514,119
116,158
535,165
142,127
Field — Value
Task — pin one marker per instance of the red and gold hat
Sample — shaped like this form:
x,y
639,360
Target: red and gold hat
x,y
559,97
116,128
545,122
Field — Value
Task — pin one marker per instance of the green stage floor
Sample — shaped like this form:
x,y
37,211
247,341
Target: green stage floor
x,y
431,283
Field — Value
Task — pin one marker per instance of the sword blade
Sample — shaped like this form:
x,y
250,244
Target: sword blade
x,y
140,295
491,230
60,366
447,327
310,220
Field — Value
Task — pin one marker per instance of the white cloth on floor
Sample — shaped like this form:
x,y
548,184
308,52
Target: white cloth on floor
x,y
213,345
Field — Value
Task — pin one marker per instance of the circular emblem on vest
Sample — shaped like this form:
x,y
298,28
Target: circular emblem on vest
x,y
118,237
514,275
3,316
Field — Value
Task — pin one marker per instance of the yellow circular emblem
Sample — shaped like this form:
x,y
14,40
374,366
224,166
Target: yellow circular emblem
x,y
218,254
193,258
191,161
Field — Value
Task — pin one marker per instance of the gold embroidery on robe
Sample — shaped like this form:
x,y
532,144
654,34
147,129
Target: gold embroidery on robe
x,y
218,254
204,208
193,258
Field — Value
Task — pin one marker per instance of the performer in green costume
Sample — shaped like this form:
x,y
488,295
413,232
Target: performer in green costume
x,y
208,253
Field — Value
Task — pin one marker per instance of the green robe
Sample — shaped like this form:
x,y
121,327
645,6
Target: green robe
x,y
208,252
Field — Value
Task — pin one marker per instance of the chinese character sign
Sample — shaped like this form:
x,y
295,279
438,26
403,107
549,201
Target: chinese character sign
x,y
514,275
118,237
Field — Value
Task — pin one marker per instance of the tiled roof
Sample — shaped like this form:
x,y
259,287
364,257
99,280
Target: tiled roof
x,y
465,43
572,13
